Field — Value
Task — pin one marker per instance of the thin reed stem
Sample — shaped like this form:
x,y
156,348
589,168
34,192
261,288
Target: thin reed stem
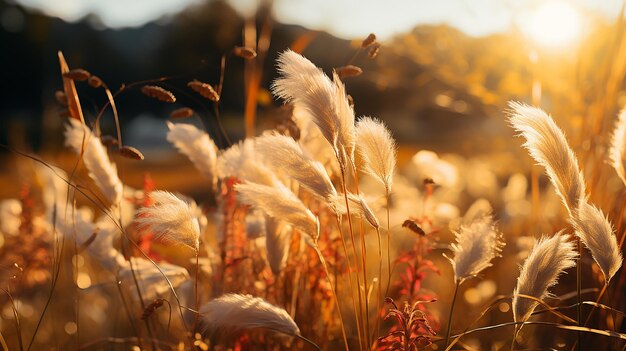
x,y
456,290
515,333
363,262
195,292
308,341
358,280
343,329
345,250
578,289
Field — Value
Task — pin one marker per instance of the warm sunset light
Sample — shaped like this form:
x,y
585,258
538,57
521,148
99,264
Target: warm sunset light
x,y
554,23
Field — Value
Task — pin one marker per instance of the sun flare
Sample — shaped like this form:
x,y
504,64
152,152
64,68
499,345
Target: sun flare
x,y
554,23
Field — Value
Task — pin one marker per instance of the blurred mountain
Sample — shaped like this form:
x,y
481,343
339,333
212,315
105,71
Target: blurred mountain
x,y
434,86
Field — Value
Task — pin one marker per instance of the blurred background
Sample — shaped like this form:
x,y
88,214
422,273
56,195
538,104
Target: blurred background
x,y
441,80
443,75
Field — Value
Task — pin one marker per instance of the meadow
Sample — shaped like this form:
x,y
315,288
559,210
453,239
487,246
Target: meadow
x,y
320,232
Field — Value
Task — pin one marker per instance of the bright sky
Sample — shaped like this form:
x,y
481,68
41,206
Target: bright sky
x,y
344,18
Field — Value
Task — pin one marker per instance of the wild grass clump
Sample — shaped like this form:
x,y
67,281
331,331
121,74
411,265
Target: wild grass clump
x,y
287,249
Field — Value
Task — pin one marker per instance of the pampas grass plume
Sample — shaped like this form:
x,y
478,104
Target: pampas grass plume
x,y
305,85
280,203
103,172
171,219
378,150
547,260
236,312
547,144
596,232
284,153
476,245
617,150
197,146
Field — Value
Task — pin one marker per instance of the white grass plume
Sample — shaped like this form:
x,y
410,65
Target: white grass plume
x,y
280,203
236,312
197,146
358,207
617,151
243,162
596,232
476,245
312,140
277,239
171,219
103,172
305,85
285,155
547,144
547,260
377,149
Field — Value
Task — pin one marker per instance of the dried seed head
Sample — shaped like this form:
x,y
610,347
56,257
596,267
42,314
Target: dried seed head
x,y
78,74
349,71
153,306
374,51
158,93
108,140
244,52
61,97
94,82
183,112
414,227
131,152
350,101
371,39
204,89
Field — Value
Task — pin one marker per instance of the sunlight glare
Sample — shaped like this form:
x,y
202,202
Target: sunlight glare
x,y
554,23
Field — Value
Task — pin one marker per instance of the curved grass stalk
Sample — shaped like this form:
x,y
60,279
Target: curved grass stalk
x,y
345,250
449,328
343,329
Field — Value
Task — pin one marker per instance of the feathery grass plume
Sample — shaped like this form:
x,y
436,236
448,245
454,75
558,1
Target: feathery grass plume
x,y
618,146
358,207
596,232
242,161
277,235
304,84
171,219
547,144
236,312
284,153
101,169
312,140
280,203
547,260
378,150
476,245
197,146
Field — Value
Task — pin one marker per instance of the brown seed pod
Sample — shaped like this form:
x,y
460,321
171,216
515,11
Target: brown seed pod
x,y
156,92
183,112
244,52
130,152
61,97
77,74
350,101
153,306
349,71
108,140
204,89
374,51
94,82
412,226
369,40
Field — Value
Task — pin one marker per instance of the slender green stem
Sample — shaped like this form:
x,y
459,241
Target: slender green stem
x,y
456,290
